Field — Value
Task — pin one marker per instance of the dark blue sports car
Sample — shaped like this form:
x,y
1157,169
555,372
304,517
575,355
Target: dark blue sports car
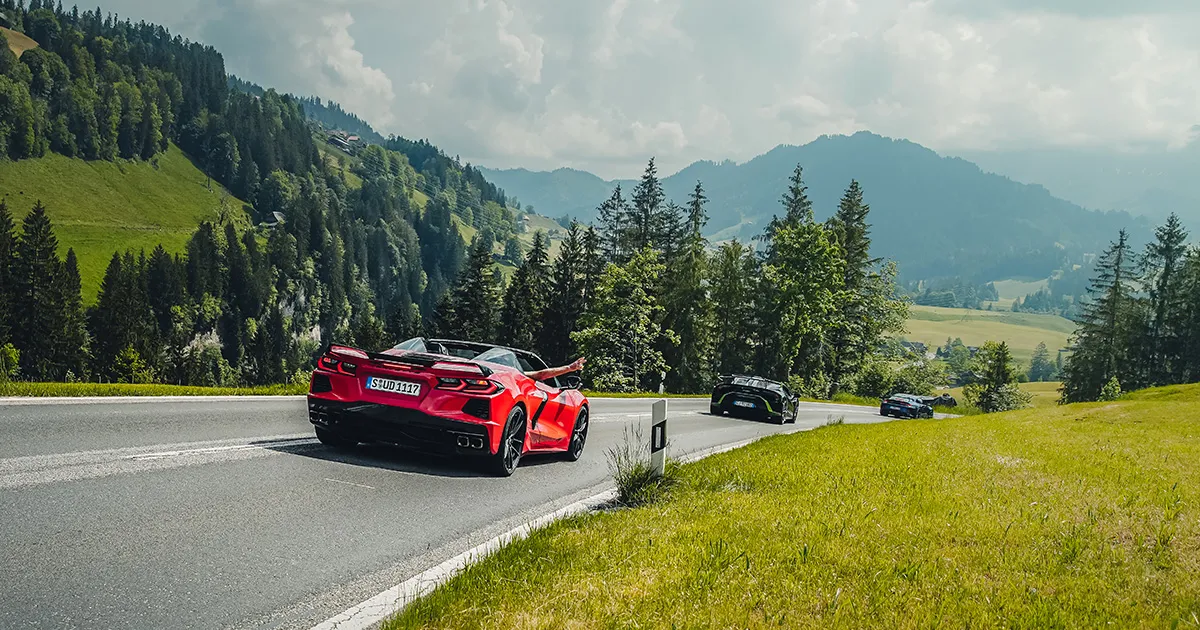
x,y
905,406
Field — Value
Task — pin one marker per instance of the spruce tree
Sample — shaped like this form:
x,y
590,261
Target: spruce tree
x,y
866,308
802,275
732,282
7,270
593,264
525,299
471,312
122,321
1190,319
1041,369
165,287
567,300
204,263
688,310
37,316
72,344
1099,348
994,384
1162,272
646,225
798,208
611,217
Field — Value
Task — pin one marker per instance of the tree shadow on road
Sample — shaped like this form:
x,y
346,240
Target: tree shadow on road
x,y
397,459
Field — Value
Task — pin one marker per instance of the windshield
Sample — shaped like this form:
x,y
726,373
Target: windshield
x,y
500,356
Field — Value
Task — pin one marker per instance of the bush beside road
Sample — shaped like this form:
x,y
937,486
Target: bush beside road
x,y
1073,516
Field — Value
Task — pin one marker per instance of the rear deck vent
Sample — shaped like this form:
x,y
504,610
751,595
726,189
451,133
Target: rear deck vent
x,y
321,384
478,407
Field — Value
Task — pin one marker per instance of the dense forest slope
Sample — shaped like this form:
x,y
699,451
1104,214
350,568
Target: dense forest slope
x,y
110,132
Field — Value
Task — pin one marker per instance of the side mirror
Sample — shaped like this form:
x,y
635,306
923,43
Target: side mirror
x,y
573,382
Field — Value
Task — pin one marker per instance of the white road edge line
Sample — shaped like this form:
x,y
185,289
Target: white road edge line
x,y
221,449
393,600
350,483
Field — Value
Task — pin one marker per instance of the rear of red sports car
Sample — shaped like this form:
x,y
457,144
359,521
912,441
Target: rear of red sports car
x,y
430,402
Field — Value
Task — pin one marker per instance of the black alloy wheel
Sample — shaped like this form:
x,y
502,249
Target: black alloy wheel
x,y
512,443
578,436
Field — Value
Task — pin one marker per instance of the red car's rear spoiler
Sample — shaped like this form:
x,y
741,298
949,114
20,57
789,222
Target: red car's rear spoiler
x,y
421,359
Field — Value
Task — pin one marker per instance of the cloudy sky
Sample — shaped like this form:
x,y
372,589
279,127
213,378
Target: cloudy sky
x,y
603,84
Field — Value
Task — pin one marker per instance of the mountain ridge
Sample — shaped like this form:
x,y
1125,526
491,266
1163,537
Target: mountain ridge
x,y
990,226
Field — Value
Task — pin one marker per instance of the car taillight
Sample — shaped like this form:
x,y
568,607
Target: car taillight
x,y
334,365
469,385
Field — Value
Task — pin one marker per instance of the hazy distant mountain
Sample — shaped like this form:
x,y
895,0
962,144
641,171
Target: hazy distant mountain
x,y
1153,183
936,216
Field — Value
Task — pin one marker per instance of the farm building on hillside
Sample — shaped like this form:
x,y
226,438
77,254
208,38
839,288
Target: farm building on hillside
x,y
344,141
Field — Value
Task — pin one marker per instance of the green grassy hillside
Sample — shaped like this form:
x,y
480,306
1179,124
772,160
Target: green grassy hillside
x,y
17,42
1083,516
1023,331
101,207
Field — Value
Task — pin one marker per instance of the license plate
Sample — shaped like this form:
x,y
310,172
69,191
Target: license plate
x,y
408,388
742,403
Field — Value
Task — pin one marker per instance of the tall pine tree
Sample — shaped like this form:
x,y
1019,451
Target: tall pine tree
x,y
567,300
611,217
688,310
1190,344
593,264
1163,274
37,315
71,349
733,274
647,225
7,270
865,307
470,312
1099,348
525,299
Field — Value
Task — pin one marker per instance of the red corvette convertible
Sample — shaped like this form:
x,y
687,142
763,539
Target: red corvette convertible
x,y
451,397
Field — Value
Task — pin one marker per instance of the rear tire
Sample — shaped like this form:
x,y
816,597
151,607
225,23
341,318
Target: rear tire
x,y
578,436
715,410
333,440
512,444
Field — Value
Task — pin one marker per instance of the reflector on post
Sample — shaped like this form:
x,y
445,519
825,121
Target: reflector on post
x,y
658,437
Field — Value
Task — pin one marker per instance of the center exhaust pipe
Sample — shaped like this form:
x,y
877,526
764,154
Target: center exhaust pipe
x,y
464,441
477,443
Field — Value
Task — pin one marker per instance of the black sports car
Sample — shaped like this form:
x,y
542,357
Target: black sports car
x,y
753,397
944,400
905,406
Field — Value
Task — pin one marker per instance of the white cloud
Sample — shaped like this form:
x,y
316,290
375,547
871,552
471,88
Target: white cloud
x,y
603,84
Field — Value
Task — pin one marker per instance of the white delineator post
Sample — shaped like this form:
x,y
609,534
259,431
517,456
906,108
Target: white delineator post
x,y
658,437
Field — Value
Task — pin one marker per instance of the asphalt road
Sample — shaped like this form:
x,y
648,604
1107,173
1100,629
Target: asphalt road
x,y
228,513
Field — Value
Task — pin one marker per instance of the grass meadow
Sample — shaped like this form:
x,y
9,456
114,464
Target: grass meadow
x,y
1071,516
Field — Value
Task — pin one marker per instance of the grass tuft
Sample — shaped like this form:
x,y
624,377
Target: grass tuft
x,y
637,481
